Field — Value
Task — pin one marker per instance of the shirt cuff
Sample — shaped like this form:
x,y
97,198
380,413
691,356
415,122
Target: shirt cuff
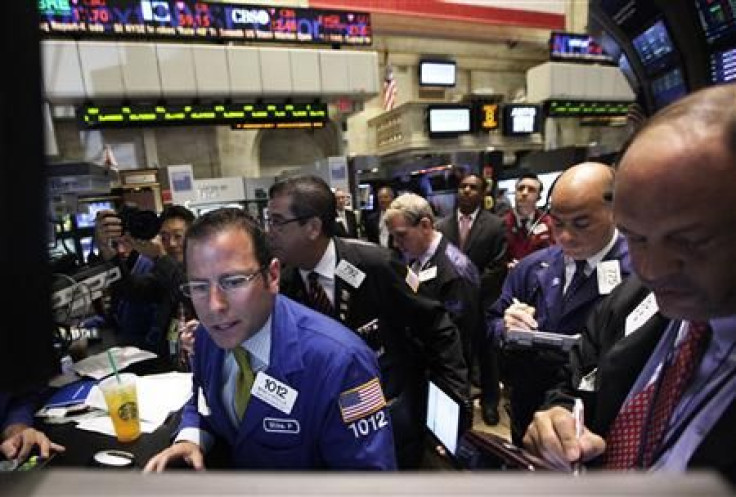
x,y
199,437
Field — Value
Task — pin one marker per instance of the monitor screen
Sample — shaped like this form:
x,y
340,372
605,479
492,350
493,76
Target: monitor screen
x,y
88,211
521,119
668,88
718,19
723,66
448,120
574,46
443,417
437,73
654,47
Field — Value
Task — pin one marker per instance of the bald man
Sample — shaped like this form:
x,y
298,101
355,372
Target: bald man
x,y
554,289
683,248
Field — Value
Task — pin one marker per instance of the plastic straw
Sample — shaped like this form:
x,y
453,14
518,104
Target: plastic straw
x,y
114,366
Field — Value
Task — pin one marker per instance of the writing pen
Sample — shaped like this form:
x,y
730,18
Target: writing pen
x,y
578,415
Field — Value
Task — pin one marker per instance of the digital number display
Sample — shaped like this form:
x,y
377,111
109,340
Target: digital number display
x,y
578,108
239,116
189,19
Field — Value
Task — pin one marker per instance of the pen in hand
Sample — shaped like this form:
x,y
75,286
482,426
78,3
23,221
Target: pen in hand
x,y
579,418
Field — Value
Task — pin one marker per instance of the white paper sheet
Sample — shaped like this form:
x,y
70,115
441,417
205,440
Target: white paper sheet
x,y
98,366
158,395
103,424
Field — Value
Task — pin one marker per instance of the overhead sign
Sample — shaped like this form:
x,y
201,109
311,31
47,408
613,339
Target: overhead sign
x,y
190,19
239,116
578,108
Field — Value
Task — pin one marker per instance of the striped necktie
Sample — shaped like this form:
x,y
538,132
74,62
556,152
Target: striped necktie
x,y
318,299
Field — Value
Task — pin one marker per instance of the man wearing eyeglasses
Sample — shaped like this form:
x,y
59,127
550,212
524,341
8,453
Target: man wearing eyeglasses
x,y
286,387
365,287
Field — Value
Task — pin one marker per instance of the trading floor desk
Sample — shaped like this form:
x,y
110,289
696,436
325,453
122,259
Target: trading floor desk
x,y
81,445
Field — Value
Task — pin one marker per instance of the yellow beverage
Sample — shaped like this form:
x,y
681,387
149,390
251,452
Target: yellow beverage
x,y
122,404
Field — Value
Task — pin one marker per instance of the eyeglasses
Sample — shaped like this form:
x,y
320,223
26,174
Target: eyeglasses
x,y
228,284
279,223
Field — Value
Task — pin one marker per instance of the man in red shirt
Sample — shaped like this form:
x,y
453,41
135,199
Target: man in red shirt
x,y
527,227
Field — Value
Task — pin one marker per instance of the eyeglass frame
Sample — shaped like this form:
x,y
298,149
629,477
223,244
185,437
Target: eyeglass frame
x,y
270,224
185,288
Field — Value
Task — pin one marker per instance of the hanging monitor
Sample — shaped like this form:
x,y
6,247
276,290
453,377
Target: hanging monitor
x,y
668,87
437,73
718,19
575,47
521,119
445,121
723,66
655,48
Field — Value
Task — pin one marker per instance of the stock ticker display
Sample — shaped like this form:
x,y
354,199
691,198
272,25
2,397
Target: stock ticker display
x,y
189,19
238,116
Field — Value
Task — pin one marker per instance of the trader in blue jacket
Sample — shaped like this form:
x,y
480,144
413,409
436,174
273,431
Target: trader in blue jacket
x,y
285,387
555,289
17,435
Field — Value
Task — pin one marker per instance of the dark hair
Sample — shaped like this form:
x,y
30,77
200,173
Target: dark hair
x,y
483,181
531,176
220,220
177,212
310,197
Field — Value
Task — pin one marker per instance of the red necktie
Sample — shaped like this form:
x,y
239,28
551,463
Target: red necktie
x,y
318,299
624,441
464,230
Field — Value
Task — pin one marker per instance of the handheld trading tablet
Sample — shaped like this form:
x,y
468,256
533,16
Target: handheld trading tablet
x,y
541,339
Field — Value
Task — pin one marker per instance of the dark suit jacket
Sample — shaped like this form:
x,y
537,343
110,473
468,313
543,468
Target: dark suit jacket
x,y
352,228
486,247
457,286
414,333
371,230
621,359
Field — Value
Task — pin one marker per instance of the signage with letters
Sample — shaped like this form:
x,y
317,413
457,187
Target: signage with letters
x,y
196,20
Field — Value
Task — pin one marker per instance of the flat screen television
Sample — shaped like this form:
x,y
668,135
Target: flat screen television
x,y
717,18
448,120
575,46
655,48
88,211
437,73
521,119
723,66
668,87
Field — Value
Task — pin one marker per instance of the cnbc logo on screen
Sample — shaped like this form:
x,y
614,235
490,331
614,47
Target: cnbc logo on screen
x,y
60,7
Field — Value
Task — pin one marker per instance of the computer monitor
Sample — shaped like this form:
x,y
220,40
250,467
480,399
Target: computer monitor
x,y
668,88
444,121
89,209
447,419
717,18
655,48
437,73
723,66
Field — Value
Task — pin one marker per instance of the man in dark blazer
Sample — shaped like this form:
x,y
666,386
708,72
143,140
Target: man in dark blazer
x,y
374,227
554,289
442,271
485,246
346,225
365,287
682,247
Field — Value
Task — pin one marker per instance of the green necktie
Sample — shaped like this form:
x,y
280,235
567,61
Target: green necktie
x,y
244,382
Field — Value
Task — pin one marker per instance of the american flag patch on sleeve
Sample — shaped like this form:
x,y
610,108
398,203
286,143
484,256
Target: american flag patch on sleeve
x,y
361,401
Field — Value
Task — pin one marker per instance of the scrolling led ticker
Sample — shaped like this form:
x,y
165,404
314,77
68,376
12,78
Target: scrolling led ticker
x,y
239,116
202,21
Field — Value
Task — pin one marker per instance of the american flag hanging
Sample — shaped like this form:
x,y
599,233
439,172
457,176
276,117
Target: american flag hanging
x,y
389,89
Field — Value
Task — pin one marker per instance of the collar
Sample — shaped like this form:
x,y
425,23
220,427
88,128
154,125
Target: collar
x,y
259,346
429,253
326,265
596,258
472,215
